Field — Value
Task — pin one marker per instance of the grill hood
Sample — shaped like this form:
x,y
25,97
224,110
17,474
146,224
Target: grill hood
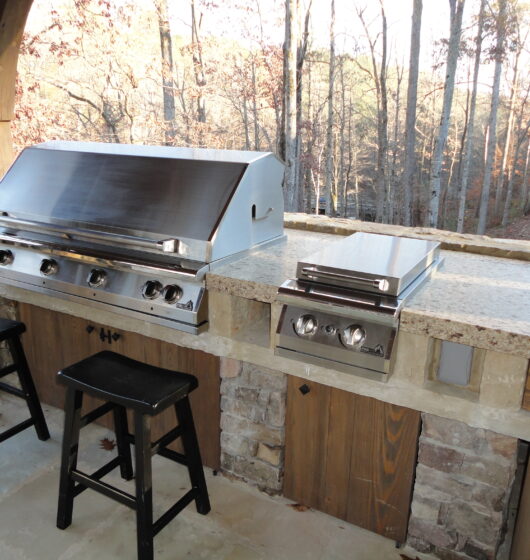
x,y
194,204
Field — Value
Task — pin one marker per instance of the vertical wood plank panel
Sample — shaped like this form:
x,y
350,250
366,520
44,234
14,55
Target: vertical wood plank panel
x,y
360,492
306,433
334,498
526,395
397,445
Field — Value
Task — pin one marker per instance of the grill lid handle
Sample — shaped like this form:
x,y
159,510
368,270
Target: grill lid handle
x,y
166,245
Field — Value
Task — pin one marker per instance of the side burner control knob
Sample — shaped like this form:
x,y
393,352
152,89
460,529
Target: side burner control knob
x,y
306,325
352,336
172,293
48,267
151,289
6,257
96,278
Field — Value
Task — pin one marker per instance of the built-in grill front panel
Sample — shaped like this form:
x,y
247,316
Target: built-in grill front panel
x,y
154,294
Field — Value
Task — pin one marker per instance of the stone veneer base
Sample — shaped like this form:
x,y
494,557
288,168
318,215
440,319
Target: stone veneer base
x,y
252,423
464,478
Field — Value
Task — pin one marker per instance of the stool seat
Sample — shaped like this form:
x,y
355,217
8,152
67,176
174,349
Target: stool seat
x,y
132,384
10,328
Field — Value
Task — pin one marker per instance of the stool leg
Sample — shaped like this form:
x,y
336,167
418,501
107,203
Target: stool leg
x,y
144,491
72,426
124,449
28,387
193,455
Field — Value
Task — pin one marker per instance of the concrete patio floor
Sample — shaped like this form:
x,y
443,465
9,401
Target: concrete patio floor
x,y
244,524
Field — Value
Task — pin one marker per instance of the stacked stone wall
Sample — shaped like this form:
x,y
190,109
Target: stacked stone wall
x,y
463,483
8,310
252,423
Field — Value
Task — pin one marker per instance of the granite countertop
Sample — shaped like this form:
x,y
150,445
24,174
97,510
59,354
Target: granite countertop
x,y
473,299
259,274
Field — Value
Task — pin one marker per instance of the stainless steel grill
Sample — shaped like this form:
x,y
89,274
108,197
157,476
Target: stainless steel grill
x,y
134,228
342,310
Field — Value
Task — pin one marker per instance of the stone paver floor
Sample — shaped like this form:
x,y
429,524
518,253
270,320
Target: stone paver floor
x,y
244,524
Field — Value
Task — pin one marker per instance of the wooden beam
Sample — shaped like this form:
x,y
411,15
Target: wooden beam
x,y
13,15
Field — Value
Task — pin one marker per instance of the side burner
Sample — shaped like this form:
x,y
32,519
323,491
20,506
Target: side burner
x,y
342,311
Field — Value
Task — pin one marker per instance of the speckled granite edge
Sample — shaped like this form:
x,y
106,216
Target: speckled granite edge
x,y
241,288
479,244
465,333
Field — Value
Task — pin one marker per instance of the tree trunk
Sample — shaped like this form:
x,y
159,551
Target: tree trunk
x,y
255,107
382,129
300,59
492,136
471,125
507,141
168,86
291,43
509,191
457,9
198,66
331,204
524,183
379,77
245,124
395,143
341,176
410,120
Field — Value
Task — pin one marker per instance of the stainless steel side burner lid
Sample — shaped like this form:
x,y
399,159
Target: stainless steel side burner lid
x,y
343,309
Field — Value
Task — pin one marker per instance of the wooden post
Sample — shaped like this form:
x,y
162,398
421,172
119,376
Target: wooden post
x,y
13,14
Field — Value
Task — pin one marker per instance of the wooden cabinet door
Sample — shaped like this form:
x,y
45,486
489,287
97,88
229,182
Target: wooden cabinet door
x,y
51,342
350,456
526,395
55,340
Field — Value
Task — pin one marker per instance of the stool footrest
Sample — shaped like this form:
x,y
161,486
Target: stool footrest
x,y
159,446
8,369
12,390
173,455
106,489
174,510
15,429
100,473
165,440
97,413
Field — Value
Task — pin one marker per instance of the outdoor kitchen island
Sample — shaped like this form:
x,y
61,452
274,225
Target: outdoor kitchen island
x,y
346,445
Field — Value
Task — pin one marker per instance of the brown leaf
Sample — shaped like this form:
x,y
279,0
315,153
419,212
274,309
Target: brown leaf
x,y
298,507
107,444
405,557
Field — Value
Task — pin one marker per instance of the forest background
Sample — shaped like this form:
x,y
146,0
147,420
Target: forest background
x,y
389,111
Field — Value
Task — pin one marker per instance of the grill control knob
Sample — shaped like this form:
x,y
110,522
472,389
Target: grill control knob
x,y
151,289
96,278
6,257
172,293
306,325
352,336
48,267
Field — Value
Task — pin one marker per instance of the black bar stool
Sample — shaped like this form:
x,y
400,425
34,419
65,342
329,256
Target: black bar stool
x,y
10,331
146,390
